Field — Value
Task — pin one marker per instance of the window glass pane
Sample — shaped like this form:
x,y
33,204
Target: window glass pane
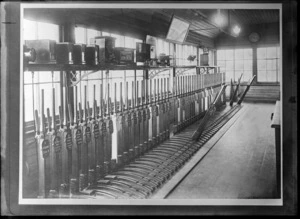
x,y
188,49
119,40
278,52
222,69
47,95
222,64
166,48
171,46
237,74
239,65
105,34
261,65
239,54
248,54
80,35
178,52
91,34
211,58
271,64
237,61
44,76
29,30
248,65
262,76
271,52
28,103
48,31
229,75
122,41
261,53
96,75
28,77
229,65
159,46
246,76
271,76
229,55
129,42
220,54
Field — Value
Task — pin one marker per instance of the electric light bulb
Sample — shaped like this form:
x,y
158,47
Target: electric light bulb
x,y
219,19
236,30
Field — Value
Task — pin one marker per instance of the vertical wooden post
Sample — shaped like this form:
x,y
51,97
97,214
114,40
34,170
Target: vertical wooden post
x,y
254,66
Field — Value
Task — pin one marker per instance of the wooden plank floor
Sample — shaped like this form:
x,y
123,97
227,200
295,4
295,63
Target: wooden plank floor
x,y
240,165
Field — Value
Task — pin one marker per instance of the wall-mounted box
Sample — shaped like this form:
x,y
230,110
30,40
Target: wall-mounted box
x,y
124,55
106,49
29,55
204,59
79,54
142,52
91,54
64,53
45,50
164,60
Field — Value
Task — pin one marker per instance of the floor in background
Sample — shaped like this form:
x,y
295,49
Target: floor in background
x,y
240,165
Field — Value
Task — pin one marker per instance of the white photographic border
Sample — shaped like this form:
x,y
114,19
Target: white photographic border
x,y
153,202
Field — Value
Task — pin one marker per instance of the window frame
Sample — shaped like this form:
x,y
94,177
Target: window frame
x,y
278,64
235,77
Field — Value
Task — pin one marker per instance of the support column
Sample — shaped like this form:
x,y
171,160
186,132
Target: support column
x,y
254,65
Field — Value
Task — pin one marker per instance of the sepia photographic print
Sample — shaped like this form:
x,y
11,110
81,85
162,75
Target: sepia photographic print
x,y
149,108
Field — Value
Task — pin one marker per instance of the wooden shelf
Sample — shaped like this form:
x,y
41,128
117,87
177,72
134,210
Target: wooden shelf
x,y
206,66
185,66
72,67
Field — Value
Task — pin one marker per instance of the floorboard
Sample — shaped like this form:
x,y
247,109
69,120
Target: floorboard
x,y
240,165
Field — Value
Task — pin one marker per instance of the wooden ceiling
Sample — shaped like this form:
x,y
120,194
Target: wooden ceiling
x,y
156,21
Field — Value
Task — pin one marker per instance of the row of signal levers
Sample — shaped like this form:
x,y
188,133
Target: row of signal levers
x,y
75,150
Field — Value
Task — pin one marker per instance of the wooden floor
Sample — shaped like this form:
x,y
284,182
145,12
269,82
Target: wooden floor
x,y
240,165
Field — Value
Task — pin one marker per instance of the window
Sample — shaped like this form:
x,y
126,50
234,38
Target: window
x,y
84,35
33,30
80,36
225,61
243,64
91,33
29,30
162,47
183,52
120,40
105,34
131,42
235,62
268,64
34,82
47,31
